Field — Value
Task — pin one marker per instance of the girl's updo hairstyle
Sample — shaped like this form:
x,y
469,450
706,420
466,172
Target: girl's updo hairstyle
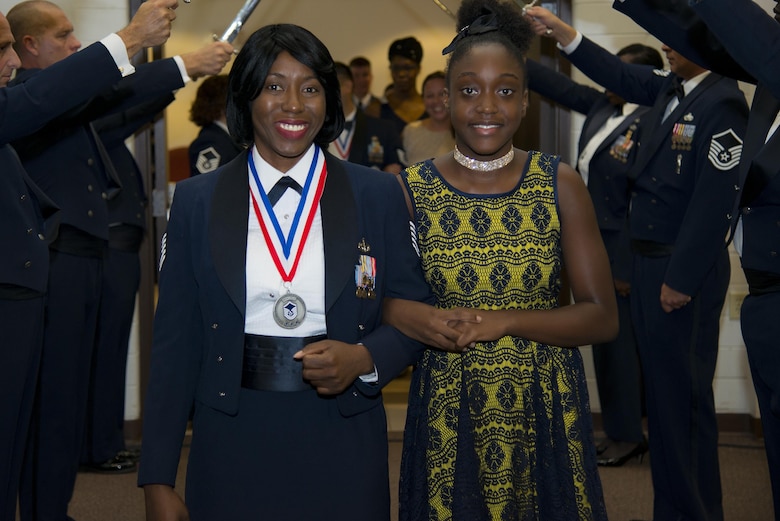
x,y
481,22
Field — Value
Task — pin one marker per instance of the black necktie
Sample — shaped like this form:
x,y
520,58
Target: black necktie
x,y
281,187
675,91
348,124
677,88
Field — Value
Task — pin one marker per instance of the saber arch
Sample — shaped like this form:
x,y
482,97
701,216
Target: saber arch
x,y
366,27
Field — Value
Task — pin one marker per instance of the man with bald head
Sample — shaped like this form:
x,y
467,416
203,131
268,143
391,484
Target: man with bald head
x,y
68,161
29,217
47,34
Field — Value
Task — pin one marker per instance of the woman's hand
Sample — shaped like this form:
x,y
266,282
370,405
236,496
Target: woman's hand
x,y
672,299
623,288
494,325
164,504
331,366
429,325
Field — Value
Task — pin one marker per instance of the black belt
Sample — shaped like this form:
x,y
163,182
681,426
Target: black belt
x,y
651,248
269,363
77,242
762,282
125,237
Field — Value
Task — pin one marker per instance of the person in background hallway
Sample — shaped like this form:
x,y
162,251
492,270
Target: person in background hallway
x,y
404,103
432,136
503,429
268,329
69,162
362,77
757,222
30,218
365,140
608,146
214,145
685,176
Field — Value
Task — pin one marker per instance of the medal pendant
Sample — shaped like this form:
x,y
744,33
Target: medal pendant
x,y
289,311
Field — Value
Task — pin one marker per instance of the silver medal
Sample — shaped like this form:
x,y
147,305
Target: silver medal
x,y
289,311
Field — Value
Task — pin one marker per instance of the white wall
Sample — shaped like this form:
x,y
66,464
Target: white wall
x,y
352,27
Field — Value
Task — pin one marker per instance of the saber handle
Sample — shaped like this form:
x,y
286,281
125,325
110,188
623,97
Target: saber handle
x,y
238,22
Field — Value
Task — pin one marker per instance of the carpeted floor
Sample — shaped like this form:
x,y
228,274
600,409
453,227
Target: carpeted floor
x,y
627,490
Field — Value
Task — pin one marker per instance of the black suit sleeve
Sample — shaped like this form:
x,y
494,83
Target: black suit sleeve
x,y
681,28
27,106
561,89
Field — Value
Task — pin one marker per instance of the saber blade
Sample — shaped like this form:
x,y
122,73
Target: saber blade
x,y
444,8
243,14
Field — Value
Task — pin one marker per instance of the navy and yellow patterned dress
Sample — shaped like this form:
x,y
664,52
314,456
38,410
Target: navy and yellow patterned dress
x,y
502,432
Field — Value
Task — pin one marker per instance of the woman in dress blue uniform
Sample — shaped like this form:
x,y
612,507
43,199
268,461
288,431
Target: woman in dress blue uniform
x,y
285,425
214,145
502,430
